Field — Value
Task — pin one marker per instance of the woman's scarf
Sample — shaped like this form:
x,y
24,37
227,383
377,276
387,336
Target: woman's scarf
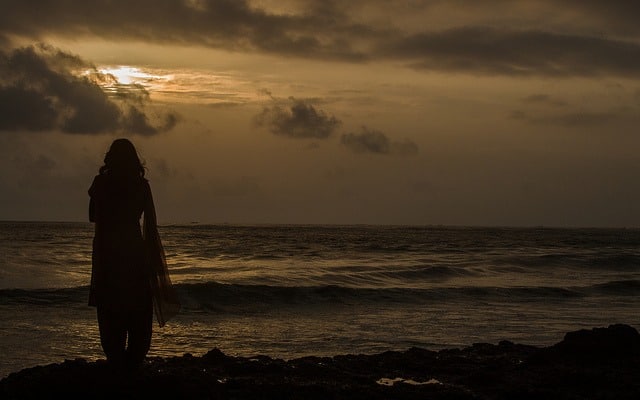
x,y
165,299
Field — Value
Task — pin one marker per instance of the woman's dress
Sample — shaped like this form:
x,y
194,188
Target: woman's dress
x,y
129,270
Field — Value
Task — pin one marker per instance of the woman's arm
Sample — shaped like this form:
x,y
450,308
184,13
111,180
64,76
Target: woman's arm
x,y
93,191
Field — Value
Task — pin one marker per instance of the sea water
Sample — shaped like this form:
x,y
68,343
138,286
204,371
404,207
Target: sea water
x,y
294,290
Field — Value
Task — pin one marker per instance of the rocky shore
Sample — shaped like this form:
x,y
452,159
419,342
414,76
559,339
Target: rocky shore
x,y
601,363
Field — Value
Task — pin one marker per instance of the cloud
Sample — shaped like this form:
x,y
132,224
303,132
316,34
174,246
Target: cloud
x,y
376,142
543,99
492,51
576,119
134,120
521,41
235,187
317,30
46,89
619,17
299,119
162,168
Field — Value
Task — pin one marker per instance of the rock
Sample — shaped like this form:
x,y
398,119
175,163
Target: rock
x,y
481,371
615,342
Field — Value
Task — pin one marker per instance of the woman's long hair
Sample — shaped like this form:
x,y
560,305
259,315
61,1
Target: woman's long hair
x,y
122,160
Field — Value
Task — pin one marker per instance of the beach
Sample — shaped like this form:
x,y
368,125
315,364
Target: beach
x,y
599,363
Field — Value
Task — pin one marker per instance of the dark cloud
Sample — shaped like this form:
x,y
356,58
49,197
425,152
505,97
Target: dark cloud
x,y
619,17
43,88
484,50
376,142
298,119
135,120
514,43
319,31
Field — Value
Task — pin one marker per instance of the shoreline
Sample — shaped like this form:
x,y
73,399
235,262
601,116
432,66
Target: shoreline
x,y
586,364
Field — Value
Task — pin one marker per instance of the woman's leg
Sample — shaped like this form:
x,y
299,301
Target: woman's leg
x,y
139,327
113,334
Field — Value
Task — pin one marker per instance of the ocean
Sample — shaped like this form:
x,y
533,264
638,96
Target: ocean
x,y
294,290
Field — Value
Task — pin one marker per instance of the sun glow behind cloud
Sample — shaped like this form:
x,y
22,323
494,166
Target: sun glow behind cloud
x,y
179,85
127,75
127,78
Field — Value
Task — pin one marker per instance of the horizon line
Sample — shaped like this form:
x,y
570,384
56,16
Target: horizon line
x,y
354,224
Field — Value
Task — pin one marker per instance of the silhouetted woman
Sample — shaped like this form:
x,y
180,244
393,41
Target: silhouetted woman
x,y
129,277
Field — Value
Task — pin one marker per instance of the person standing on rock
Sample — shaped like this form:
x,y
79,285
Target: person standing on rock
x,y
129,276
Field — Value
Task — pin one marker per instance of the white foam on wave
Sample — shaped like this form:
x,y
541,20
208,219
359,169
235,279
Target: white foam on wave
x,y
391,382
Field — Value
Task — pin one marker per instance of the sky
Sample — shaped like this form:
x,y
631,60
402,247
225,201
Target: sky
x,y
419,112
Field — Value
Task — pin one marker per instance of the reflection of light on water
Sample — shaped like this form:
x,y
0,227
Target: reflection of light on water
x,y
391,382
